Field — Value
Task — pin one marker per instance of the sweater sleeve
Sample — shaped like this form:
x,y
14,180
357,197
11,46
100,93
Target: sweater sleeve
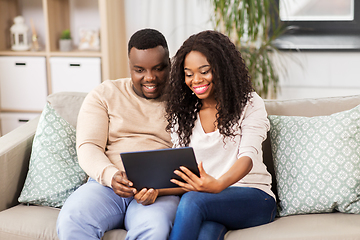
x,y
91,139
254,128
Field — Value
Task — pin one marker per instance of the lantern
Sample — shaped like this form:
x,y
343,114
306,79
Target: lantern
x,y
19,37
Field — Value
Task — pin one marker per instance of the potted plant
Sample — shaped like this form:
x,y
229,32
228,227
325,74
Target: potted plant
x,y
252,26
65,42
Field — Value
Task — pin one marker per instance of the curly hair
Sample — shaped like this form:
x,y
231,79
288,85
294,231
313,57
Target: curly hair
x,y
230,78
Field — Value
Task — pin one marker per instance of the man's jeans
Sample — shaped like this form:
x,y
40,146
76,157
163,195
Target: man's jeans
x,y
93,209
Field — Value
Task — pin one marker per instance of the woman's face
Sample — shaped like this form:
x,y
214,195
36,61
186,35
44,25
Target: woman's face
x,y
198,75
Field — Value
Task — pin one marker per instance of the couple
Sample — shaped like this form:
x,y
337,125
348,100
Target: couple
x,y
209,104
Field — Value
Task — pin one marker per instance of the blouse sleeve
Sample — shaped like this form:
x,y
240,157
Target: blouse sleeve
x,y
254,128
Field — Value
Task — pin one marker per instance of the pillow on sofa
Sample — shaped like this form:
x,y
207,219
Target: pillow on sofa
x,y
317,162
54,172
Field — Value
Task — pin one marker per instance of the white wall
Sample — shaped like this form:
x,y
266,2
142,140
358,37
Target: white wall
x,y
319,74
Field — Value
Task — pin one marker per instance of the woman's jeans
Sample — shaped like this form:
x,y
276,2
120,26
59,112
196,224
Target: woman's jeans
x,y
209,216
93,209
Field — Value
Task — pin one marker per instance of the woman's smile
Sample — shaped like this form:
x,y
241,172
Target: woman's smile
x,y
198,75
201,89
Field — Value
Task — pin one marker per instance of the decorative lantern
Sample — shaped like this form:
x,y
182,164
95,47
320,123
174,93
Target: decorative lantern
x,y
19,37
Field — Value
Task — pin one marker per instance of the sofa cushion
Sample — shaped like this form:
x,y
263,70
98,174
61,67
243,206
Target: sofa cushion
x,y
309,107
54,172
329,226
317,162
37,223
28,222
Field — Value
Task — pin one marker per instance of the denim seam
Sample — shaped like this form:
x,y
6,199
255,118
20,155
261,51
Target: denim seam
x,y
222,233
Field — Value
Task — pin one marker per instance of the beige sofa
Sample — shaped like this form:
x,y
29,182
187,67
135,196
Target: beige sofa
x,y
36,222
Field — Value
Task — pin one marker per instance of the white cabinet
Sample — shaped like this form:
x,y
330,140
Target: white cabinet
x,y
51,17
75,74
10,121
22,83
24,87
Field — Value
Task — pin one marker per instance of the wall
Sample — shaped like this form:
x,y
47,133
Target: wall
x,y
319,74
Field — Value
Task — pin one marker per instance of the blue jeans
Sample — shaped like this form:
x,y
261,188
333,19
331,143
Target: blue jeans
x,y
94,209
209,216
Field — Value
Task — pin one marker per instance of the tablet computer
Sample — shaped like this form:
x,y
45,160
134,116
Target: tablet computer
x,y
155,168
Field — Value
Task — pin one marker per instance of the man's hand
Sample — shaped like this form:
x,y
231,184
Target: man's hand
x,y
122,186
146,196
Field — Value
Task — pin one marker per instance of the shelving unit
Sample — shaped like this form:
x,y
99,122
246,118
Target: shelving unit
x,y
57,18
52,17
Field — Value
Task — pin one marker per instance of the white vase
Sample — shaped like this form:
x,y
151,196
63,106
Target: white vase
x,y
65,45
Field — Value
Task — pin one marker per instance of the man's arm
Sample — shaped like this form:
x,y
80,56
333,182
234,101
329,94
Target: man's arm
x,y
91,139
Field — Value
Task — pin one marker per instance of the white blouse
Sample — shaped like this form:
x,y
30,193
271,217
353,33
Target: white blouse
x,y
219,154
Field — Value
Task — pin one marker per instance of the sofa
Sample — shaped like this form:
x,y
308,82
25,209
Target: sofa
x,y
21,221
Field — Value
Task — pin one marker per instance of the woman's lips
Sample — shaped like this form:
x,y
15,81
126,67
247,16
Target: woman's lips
x,y
201,89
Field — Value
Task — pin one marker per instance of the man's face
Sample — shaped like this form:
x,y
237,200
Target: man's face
x,y
149,70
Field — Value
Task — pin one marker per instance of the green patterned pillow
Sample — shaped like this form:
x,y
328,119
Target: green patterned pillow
x,y
317,162
54,172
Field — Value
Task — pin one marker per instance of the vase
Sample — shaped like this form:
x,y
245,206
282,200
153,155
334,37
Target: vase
x,y
65,45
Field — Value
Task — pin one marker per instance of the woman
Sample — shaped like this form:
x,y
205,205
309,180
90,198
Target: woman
x,y
213,108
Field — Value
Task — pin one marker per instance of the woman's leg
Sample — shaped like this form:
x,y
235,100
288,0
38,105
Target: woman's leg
x,y
90,211
152,221
212,230
235,208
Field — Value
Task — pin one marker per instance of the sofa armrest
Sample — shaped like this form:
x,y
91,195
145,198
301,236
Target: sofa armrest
x,y
15,150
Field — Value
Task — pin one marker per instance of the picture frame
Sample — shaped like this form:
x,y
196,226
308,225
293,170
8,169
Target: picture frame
x,y
89,39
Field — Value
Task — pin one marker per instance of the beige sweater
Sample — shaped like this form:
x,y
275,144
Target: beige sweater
x,y
113,119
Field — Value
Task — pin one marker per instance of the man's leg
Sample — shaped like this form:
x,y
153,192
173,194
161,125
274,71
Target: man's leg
x,y
153,221
90,211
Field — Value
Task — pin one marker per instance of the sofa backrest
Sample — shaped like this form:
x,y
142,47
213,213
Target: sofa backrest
x,y
303,107
67,105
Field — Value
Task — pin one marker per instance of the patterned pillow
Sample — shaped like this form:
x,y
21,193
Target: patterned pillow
x,y
54,172
317,162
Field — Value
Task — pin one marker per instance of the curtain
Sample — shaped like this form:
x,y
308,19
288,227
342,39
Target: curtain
x,y
176,19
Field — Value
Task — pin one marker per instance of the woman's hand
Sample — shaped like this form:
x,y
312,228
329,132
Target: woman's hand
x,y
122,186
204,183
146,196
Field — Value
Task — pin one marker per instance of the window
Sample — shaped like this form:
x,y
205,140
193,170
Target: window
x,y
320,16
319,24
317,10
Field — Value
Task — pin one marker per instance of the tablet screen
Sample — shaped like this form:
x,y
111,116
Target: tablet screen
x,y
155,168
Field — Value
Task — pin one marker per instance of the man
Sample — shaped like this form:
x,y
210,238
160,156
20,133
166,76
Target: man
x,y
120,116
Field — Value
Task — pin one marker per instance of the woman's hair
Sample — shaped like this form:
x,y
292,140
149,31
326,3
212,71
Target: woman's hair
x,y
231,81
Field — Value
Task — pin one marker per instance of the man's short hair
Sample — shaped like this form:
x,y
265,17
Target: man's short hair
x,y
146,39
